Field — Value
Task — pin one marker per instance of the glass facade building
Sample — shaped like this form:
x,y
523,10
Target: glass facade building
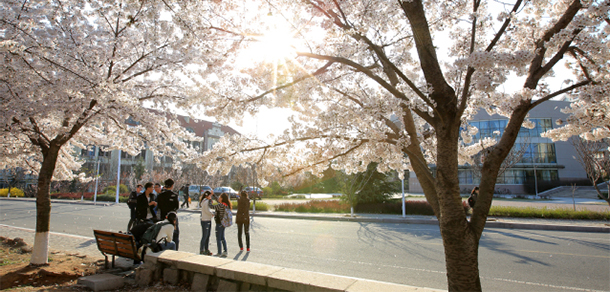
x,y
543,164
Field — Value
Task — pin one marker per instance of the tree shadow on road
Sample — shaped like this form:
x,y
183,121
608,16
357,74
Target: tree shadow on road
x,y
601,245
422,242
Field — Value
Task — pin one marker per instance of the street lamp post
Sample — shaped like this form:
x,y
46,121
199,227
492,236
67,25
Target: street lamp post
x,y
97,178
404,213
118,179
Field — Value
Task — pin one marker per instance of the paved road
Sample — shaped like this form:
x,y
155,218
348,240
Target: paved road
x,y
510,260
556,202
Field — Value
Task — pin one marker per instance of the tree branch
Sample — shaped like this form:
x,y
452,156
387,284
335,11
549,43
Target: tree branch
x,y
536,71
358,67
556,93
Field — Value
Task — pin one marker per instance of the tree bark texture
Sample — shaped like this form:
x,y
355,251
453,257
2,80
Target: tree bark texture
x,y
40,251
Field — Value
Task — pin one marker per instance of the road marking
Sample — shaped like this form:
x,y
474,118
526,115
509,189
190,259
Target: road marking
x,y
434,272
543,285
51,232
563,253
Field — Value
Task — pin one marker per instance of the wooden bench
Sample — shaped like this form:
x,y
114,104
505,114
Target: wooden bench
x,y
116,244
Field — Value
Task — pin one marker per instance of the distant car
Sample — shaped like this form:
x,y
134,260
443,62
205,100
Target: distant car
x,y
195,191
254,192
231,192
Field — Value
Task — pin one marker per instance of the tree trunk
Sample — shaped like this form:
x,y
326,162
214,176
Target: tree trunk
x,y
459,241
599,192
40,251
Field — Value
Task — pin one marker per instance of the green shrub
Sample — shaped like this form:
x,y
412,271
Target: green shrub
x,y
414,207
112,198
548,213
315,206
15,192
260,206
123,189
299,197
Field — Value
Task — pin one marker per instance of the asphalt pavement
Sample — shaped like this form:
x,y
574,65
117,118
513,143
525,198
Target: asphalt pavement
x,y
412,254
493,222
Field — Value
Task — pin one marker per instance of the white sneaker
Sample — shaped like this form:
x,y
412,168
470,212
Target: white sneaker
x,y
224,254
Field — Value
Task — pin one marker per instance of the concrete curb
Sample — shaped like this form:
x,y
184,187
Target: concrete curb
x,y
59,201
489,224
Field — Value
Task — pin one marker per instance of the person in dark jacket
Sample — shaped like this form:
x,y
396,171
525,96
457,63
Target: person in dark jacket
x,y
145,205
472,200
243,219
185,192
167,201
132,202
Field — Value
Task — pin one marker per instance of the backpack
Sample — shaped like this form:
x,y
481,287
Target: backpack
x,y
150,235
227,219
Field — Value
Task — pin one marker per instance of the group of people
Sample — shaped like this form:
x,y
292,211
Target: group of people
x,y
152,205
224,205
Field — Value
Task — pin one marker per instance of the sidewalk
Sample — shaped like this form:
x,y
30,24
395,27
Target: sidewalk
x,y
492,222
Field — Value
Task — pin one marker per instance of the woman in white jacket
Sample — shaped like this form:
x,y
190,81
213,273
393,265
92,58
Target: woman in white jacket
x,y
206,223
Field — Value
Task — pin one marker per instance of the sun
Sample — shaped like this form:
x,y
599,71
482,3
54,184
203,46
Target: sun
x,y
273,46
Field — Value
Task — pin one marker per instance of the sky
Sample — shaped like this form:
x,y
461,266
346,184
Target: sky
x,y
278,43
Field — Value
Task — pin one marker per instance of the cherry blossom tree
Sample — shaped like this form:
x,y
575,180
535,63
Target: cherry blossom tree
x,y
372,80
73,72
594,157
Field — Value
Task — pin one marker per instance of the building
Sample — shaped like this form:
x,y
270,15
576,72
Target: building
x,y
211,132
544,164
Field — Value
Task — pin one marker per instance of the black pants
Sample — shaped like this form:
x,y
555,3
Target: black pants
x,y
186,201
246,228
132,220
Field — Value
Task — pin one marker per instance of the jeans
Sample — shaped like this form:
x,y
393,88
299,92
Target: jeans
x,y
246,228
176,235
206,228
220,237
168,245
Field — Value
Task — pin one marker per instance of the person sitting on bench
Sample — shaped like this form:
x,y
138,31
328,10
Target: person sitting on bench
x,y
166,233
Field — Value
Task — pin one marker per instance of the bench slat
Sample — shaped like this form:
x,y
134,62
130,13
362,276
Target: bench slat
x,y
118,244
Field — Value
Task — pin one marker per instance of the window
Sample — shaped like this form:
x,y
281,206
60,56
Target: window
x,y
487,128
466,176
211,142
538,153
102,153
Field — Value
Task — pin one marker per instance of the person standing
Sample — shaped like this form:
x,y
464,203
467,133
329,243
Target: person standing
x,y
224,205
168,202
145,205
243,219
474,194
185,191
132,203
157,191
206,224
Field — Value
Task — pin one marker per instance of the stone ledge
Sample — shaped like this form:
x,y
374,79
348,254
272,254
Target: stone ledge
x,y
248,272
166,256
298,280
231,274
201,264
101,282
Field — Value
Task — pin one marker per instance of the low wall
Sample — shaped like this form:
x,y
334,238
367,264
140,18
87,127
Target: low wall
x,y
205,273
